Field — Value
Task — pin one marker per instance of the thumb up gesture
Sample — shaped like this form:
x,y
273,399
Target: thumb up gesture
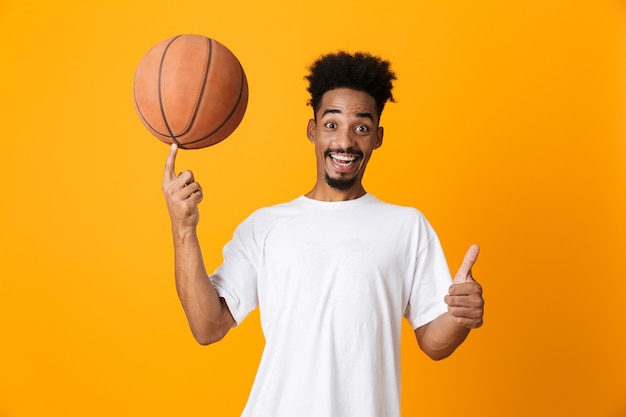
x,y
465,296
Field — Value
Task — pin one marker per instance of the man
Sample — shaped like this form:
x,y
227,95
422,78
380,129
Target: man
x,y
333,271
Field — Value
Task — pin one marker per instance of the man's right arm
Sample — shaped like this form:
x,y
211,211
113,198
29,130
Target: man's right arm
x,y
208,315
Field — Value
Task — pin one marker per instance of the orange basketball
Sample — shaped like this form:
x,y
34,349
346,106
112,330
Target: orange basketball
x,y
190,90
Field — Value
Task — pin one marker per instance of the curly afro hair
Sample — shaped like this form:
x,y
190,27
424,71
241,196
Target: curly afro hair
x,y
359,71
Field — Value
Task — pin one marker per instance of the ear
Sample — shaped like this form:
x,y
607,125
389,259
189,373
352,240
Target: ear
x,y
379,140
310,130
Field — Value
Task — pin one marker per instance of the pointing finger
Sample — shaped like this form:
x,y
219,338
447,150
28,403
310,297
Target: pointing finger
x,y
169,173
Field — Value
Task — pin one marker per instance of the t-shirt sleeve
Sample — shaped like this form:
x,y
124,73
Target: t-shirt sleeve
x,y
431,280
236,279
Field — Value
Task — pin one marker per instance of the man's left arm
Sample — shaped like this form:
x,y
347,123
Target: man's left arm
x,y
439,338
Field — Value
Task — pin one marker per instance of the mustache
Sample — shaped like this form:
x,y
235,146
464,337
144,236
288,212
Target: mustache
x,y
349,151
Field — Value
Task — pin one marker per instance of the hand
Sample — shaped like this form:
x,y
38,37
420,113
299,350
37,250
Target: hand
x,y
465,296
182,194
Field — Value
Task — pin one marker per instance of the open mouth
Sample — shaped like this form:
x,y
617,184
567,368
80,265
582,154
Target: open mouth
x,y
343,167
343,159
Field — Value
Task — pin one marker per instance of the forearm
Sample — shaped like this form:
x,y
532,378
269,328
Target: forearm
x,y
207,314
439,338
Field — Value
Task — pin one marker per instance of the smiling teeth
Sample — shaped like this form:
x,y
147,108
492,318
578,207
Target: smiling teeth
x,y
343,158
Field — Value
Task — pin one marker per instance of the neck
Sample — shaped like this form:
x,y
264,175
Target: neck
x,y
326,193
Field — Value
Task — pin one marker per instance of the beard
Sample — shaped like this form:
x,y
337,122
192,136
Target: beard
x,y
341,184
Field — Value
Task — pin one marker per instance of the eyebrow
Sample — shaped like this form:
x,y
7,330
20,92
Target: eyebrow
x,y
366,115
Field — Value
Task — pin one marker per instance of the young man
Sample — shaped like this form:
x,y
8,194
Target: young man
x,y
333,271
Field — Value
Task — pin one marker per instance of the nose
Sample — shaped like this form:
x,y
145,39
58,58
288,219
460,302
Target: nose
x,y
344,139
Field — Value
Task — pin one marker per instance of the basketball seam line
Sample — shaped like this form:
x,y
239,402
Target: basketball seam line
x,y
204,82
167,125
226,120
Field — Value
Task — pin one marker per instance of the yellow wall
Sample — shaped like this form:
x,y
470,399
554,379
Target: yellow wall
x,y
509,131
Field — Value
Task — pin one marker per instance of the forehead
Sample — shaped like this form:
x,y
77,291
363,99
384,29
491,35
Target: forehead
x,y
346,101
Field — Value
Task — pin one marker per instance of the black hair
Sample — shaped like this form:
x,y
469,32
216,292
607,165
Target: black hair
x,y
359,71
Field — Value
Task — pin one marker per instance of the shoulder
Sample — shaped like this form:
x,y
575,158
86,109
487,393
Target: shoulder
x,y
406,218
276,210
406,212
264,217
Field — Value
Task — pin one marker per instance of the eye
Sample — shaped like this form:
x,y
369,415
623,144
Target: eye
x,y
330,125
362,129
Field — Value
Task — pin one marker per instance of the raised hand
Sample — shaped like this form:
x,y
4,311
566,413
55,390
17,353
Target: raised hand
x,y
182,194
465,299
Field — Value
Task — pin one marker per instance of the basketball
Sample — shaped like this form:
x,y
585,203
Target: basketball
x,y
190,90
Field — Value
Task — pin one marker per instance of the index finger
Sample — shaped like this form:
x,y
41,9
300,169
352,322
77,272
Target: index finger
x,y
169,173
468,262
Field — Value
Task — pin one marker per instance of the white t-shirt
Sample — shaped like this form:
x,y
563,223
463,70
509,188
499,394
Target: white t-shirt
x,y
332,281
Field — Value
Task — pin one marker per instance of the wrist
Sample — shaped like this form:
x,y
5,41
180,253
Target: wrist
x,y
183,234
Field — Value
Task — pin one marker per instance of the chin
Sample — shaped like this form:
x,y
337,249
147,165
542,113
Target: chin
x,y
341,184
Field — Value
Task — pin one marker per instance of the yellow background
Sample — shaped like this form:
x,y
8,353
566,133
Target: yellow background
x,y
509,131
